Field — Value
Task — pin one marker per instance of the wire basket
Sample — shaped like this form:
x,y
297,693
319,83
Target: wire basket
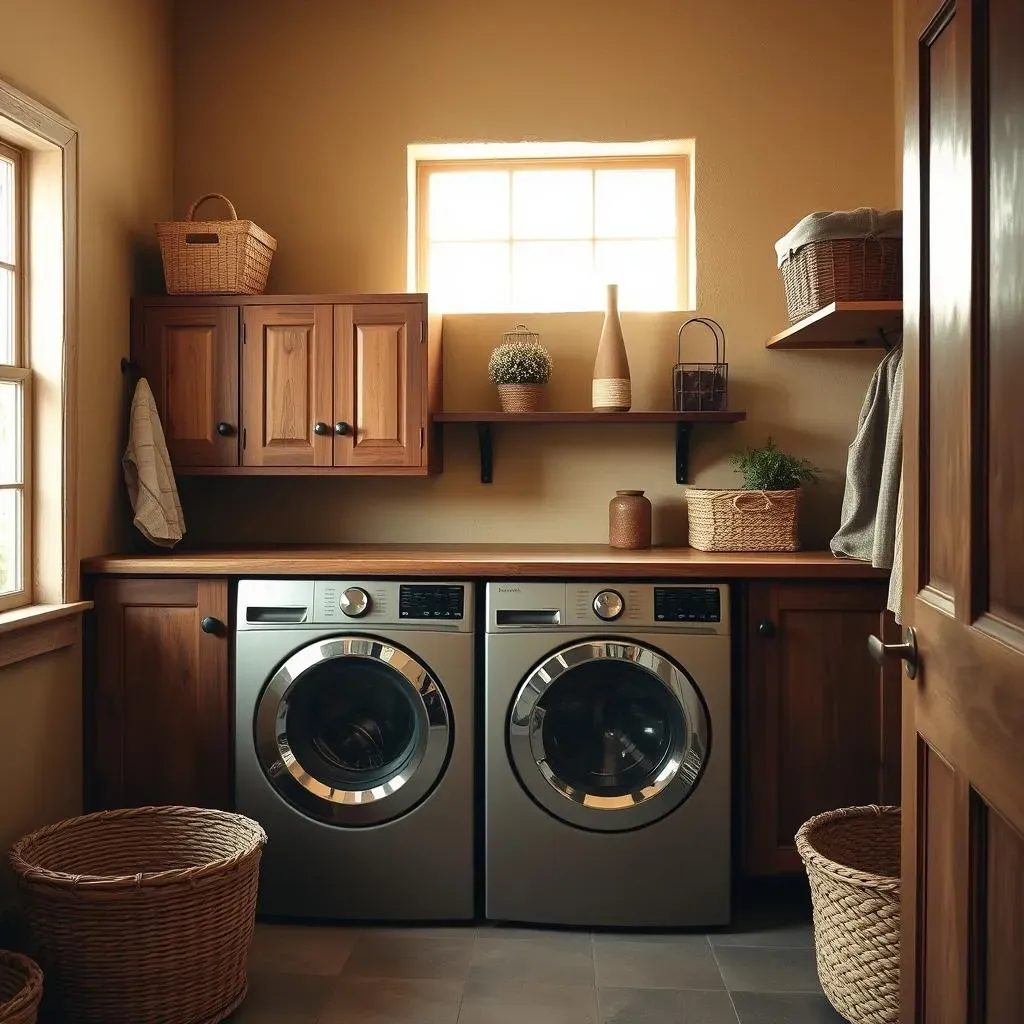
x,y
520,335
701,387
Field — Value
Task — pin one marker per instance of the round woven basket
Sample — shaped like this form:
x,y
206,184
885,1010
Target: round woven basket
x,y
852,857
726,520
21,988
142,915
520,397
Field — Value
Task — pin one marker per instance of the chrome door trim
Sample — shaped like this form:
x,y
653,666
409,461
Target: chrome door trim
x,y
382,802
679,773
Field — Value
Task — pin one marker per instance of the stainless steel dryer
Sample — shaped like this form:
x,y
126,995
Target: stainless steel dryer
x,y
354,745
607,746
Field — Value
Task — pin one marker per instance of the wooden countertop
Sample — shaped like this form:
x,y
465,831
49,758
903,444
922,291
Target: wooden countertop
x,y
569,561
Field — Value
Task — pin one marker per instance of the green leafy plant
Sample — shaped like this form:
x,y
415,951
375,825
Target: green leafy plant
x,y
771,469
520,362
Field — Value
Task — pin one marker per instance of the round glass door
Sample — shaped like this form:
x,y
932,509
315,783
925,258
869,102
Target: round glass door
x,y
353,731
608,736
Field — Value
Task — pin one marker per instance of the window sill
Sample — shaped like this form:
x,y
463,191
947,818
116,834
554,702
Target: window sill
x,y
38,629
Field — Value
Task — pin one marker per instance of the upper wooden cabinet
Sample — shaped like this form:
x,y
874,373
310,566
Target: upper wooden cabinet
x,y
293,384
821,719
190,358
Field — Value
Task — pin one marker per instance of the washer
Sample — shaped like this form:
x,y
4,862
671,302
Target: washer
x,y
354,745
607,760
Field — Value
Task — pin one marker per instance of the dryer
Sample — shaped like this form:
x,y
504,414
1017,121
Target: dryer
x,y
354,745
607,754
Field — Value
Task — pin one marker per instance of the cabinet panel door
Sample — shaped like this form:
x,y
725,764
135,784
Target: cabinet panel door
x,y
380,385
190,358
287,386
159,697
822,720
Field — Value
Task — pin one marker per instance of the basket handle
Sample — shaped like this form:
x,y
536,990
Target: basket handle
x,y
764,505
712,325
211,195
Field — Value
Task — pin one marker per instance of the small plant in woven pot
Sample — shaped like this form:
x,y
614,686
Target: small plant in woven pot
x,y
764,516
521,370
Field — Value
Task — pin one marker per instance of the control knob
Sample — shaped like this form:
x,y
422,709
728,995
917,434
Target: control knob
x,y
354,602
608,605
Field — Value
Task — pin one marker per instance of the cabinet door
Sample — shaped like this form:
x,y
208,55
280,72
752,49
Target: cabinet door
x,y
822,720
159,694
190,358
380,385
286,386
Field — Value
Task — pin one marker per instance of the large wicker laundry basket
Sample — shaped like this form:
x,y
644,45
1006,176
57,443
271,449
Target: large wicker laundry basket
x,y
728,520
852,857
142,916
21,988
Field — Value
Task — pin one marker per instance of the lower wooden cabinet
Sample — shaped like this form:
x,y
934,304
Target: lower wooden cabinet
x,y
821,721
158,694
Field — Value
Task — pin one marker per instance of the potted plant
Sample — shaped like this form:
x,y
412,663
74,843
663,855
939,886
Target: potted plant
x,y
761,517
521,369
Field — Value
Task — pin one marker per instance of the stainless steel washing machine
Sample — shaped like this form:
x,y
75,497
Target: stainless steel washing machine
x,y
354,745
607,754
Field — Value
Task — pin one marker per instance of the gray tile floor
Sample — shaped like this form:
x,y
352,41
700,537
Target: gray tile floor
x,y
761,971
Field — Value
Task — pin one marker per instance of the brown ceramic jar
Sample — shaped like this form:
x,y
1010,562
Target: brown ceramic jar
x,y
629,520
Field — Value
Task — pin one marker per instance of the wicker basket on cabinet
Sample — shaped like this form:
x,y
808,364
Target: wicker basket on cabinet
x,y
730,520
852,857
143,915
21,988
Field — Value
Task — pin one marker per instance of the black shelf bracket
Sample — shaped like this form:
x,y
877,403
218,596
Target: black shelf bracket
x,y
683,452
483,436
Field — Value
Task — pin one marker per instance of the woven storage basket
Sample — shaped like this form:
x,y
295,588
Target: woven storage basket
x,y
842,270
21,988
724,520
852,858
144,915
520,397
214,257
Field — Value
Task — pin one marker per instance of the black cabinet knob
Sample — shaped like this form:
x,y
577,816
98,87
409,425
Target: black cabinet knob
x,y
341,427
321,429
211,625
766,629
225,429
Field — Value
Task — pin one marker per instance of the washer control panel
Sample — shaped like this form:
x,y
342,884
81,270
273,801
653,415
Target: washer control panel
x,y
687,604
431,601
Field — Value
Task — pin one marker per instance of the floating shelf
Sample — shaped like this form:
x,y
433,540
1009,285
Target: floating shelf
x,y
683,421
845,325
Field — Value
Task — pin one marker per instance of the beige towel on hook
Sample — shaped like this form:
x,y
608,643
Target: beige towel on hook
x,y
148,473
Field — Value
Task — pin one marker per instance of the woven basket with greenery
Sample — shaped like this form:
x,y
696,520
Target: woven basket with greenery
x,y
764,516
521,368
852,857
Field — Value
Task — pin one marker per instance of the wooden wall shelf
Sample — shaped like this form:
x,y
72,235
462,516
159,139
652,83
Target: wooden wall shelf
x,y
683,421
845,325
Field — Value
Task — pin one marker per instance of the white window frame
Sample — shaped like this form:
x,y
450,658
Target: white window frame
x,y
427,160
19,373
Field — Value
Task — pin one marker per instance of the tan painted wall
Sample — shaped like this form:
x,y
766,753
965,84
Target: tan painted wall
x,y
302,113
105,65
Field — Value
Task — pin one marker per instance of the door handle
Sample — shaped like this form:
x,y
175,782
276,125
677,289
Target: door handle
x,y
213,626
225,429
341,427
906,651
321,429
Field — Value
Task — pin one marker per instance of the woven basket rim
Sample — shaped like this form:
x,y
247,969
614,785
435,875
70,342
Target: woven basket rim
x,y
174,228
831,242
29,872
31,991
814,859
729,491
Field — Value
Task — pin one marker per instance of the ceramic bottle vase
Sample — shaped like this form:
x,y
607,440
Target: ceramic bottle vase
x,y
611,391
629,520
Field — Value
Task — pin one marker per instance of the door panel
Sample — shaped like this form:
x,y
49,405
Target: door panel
x,y
287,386
190,358
380,385
963,797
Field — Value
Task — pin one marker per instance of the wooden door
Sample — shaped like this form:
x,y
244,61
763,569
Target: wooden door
x,y
963,748
159,694
287,401
190,358
380,385
821,719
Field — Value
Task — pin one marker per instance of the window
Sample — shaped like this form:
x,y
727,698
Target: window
x,y
545,233
15,515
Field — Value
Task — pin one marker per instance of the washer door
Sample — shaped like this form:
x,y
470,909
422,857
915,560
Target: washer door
x,y
608,736
353,731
